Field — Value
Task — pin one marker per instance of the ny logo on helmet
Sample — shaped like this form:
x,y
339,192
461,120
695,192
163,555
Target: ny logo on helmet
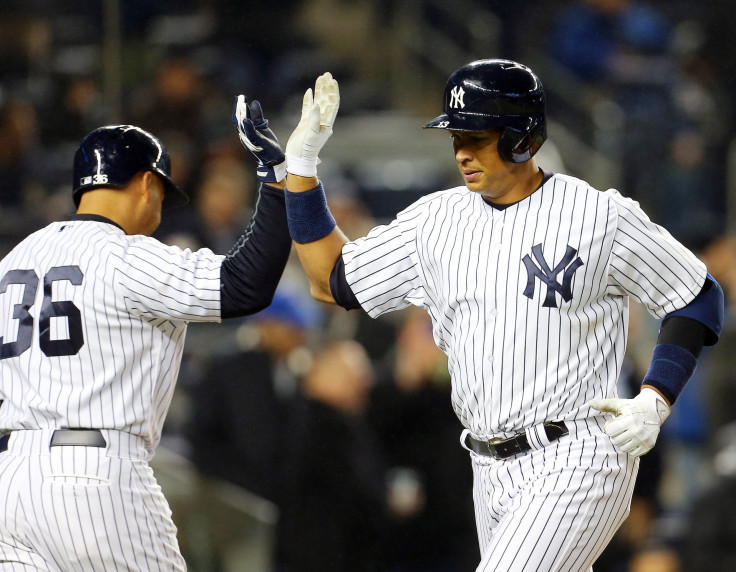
x,y
456,97
548,275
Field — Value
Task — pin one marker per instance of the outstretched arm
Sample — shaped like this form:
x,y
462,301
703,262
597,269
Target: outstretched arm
x,y
318,240
253,267
318,257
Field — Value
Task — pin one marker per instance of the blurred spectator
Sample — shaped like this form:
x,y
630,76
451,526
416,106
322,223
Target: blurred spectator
x,y
260,60
431,525
686,198
719,50
719,377
220,208
624,48
175,99
26,41
79,111
656,558
237,421
610,40
709,543
333,495
18,160
22,173
223,201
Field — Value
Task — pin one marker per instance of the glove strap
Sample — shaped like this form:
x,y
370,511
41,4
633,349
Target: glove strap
x,y
271,174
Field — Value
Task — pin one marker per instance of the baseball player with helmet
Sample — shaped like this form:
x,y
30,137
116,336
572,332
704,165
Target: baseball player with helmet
x,y
93,317
527,276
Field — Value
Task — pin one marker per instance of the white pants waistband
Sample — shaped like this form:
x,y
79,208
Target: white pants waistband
x,y
119,443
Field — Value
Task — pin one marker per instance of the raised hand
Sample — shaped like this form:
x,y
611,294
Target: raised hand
x,y
257,137
314,127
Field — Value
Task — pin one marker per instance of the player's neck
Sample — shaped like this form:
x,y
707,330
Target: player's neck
x,y
110,204
515,186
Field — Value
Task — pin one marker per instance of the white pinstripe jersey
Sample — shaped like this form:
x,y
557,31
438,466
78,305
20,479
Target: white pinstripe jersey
x,y
93,323
530,303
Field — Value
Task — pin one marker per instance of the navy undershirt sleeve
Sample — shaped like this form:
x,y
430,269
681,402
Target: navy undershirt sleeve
x,y
341,291
684,332
252,269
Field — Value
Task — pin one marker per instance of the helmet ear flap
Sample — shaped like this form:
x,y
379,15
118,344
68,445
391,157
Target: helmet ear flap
x,y
516,146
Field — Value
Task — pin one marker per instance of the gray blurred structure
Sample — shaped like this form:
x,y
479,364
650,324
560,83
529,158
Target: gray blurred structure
x,y
216,517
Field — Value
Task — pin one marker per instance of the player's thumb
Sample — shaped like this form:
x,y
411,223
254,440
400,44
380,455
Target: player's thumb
x,y
606,405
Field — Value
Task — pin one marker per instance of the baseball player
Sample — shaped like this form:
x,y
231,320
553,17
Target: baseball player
x,y
93,317
527,276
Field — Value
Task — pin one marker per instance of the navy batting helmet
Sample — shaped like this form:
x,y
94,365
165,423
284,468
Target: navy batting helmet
x,y
112,155
488,94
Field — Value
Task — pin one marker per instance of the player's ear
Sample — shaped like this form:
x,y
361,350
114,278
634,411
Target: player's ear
x,y
151,186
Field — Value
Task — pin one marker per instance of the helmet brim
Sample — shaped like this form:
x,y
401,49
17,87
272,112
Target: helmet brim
x,y
173,196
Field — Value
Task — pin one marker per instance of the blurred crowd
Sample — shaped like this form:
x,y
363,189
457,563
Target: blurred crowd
x,y
342,421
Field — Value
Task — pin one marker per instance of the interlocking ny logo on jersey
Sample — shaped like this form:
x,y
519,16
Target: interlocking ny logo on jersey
x,y
456,97
549,276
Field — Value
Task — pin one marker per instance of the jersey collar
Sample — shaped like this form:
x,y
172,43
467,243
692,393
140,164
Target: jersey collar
x,y
94,218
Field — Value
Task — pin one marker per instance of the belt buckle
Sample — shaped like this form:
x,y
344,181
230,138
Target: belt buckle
x,y
501,448
491,446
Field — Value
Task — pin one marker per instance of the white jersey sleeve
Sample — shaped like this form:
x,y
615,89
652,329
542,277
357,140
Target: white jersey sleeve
x,y
383,269
649,264
168,282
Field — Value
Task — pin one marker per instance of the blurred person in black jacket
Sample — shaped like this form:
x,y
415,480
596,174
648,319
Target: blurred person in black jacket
x,y
431,526
333,495
239,404
709,542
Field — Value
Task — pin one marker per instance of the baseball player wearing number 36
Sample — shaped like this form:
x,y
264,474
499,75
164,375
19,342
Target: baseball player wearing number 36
x,y
527,276
93,316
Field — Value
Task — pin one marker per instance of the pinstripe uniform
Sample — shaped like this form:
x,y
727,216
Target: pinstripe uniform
x,y
93,323
530,303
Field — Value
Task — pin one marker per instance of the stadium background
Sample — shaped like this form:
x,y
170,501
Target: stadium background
x,y
640,98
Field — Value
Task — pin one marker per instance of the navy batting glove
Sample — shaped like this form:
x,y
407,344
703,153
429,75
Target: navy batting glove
x,y
257,138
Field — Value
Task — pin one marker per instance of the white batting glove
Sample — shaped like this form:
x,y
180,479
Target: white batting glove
x,y
314,128
636,424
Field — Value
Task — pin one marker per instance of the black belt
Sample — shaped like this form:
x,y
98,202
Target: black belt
x,y
68,437
505,448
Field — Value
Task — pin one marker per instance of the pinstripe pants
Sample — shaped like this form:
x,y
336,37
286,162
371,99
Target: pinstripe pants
x,y
83,508
554,508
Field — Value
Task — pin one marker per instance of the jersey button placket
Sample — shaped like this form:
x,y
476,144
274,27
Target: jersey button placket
x,y
492,314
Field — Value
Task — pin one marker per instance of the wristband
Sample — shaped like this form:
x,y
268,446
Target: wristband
x,y
302,167
308,216
670,370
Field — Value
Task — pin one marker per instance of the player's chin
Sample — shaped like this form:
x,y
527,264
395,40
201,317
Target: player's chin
x,y
475,187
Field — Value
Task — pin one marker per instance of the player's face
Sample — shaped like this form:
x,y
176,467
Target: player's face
x,y
476,154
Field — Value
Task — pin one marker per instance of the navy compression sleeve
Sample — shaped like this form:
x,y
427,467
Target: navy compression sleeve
x,y
253,267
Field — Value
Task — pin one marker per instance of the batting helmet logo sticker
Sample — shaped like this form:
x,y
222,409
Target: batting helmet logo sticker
x,y
548,276
93,180
456,97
